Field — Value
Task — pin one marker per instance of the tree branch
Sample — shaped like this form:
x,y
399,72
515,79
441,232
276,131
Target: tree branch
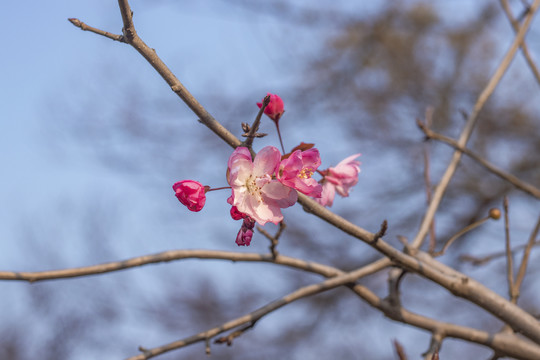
x,y
168,256
339,280
469,126
524,47
521,185
78,23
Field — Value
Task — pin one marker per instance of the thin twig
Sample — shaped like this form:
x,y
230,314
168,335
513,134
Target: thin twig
x,y
400,351
427,178
460,233
228,339
524,261
78,23
524,47
477,261
434,346
508,249
252,133
274,240
469,126
151,56
521,185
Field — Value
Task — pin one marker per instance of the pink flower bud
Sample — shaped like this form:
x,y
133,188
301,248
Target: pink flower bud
x,y
274,109
244,237
246,232
237,215
191,194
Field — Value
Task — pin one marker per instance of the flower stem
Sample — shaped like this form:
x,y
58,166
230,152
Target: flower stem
x,y
219,188
279,135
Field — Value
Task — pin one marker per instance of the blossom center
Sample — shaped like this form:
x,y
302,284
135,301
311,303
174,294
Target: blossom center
x,y
305,173
253,188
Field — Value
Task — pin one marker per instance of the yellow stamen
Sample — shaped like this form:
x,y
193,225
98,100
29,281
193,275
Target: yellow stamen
x,y
305,173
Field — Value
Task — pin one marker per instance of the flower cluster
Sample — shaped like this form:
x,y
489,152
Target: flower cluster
x,y
263,185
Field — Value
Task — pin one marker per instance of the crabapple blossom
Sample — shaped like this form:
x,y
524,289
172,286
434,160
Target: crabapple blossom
x,y
340,178
275,107
254,191
296,171
246,232
190,193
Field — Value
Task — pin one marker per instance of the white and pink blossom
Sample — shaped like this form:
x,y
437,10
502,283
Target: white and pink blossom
x,y
339,179
254,190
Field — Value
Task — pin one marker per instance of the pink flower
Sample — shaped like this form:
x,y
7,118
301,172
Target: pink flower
x,y
328,194
274,109
341,179
191,194
254,192
236,215
244,237
296,171
246,232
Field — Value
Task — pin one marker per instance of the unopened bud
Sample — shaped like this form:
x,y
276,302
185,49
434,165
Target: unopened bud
x,y
495,213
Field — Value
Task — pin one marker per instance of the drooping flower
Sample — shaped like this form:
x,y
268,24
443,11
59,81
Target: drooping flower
x,y
296,171
245,234
190,193
339,179
275,107
254,191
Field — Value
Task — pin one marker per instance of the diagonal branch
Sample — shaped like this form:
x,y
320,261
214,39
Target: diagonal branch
x,y
525,259
524,47
469,126
303,292
508,344
521,185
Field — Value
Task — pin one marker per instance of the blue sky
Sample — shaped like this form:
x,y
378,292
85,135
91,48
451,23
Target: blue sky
x,y
52,183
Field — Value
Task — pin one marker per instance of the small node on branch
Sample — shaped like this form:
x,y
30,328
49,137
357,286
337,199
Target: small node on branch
x,y
228,339
381,232
75,22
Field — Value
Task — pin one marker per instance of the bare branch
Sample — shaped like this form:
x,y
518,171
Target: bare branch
x,y
168,256
521,185
434,346
252,133
508,249
427,179
78,23
469,126
485,259
342,279
274,240
524,47
463,231
523,266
